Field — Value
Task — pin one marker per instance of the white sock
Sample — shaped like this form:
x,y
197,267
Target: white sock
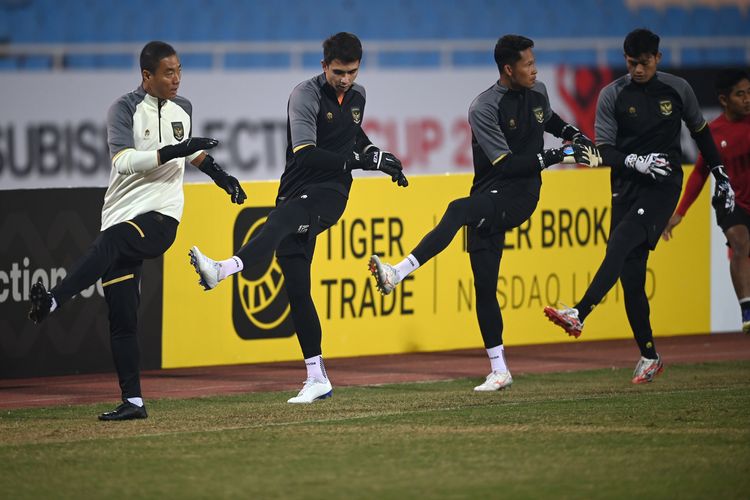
x,y
136,401
315,368
406,267
53,306
497,359
230,267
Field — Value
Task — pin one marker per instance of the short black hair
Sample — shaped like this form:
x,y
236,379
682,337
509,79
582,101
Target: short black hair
x,y
153,52
641,41
343,46
508,49
728,78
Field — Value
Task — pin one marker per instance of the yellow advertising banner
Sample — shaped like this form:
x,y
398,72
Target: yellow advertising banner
x,y
548,261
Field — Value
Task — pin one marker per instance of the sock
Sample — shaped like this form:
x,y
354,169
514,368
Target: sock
x,y
136,401
406,267
315,368
53,306
745,307
230,267
497,358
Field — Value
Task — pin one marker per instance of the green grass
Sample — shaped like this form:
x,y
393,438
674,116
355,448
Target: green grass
x,y
565,435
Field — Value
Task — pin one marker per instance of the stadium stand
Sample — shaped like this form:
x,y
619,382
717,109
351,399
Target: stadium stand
x,y
68,23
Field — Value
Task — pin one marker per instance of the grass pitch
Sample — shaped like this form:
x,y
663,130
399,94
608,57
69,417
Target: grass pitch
x,y
566,435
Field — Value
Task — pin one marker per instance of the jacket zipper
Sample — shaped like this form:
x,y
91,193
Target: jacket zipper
x,y
158,112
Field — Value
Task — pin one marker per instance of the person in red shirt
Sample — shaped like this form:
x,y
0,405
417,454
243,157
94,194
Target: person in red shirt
x,y
731,132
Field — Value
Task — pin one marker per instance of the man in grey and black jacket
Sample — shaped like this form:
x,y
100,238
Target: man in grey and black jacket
x,y
325,143
638,122
508,122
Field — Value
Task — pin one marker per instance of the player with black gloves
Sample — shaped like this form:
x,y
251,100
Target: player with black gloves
x,y
508,122
325,143
148,132
638,122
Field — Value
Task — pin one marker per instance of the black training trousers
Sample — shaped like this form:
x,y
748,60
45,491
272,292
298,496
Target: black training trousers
x,y
290,231
116,256
635,227
487,217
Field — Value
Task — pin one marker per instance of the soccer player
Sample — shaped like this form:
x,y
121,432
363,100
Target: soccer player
x,y
508,122
149,136
731,132
638,121
325,143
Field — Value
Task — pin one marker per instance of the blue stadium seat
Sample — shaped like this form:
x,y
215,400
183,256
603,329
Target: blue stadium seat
x,y
105,21
409,59
257,61
8,64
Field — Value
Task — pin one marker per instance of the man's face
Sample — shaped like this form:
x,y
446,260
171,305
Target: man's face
x,y
165,82
341,75
737,103
523,72
643,67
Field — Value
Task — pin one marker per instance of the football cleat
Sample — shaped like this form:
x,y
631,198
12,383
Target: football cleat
x,y
495,381
746,321
565,318
386,277
41,302
313,390
207,269
647,369
126,411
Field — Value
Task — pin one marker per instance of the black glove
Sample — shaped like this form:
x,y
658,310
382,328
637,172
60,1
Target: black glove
x,y
374,159
582,140
572,153
399,178
222,179
185,148
723,193
573,134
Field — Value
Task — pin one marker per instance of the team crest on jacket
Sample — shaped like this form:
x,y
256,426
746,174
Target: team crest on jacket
x,y
539,114
512,124
356,115
665,107
178,130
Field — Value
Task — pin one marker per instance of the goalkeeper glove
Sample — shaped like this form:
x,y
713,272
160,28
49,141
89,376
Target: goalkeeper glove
x,y
222,179
573,134
655,165
572,153
723,192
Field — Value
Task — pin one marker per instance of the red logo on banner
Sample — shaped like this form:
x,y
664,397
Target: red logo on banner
x,y
579,88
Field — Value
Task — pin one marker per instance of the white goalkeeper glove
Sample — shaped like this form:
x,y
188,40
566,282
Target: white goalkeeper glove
x,y
655,165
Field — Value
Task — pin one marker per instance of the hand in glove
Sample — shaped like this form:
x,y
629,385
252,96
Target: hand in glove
x,y
655,165
222,179
375,159
572,153
723,193
185,148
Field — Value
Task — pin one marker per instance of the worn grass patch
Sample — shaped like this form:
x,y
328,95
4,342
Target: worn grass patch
x,y
583,434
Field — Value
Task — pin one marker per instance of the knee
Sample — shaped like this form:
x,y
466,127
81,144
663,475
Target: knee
x,y
740,249
456,208
633,283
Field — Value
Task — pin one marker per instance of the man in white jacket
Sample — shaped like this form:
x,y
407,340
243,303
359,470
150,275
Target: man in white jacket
x,y
149,137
